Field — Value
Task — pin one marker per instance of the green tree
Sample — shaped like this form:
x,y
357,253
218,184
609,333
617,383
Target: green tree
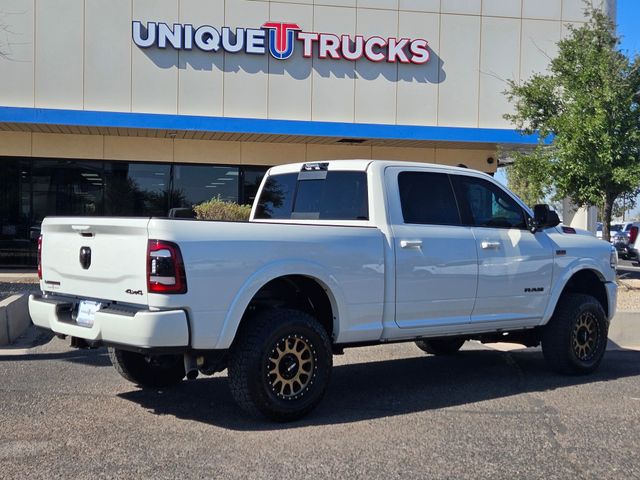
x,y
529,177
587,109
624,205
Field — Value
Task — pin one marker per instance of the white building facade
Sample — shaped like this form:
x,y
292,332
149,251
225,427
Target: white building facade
x,y
164,103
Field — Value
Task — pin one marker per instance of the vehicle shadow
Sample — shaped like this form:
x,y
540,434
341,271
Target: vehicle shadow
x,y
95,358
373,390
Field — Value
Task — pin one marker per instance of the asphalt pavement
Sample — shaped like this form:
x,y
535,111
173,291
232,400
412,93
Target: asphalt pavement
x,y
389,412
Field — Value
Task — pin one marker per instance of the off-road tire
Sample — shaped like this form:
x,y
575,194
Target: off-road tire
x,y
263,357
148,371
441,346
575,339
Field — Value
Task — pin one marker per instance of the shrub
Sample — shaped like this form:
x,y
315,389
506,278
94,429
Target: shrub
x,y
217,209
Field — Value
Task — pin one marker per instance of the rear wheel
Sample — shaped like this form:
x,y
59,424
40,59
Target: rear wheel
x,y
575,339
280,364
440,346
152,371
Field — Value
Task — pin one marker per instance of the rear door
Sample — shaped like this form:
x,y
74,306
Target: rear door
x,y
435,256
515,265
96,258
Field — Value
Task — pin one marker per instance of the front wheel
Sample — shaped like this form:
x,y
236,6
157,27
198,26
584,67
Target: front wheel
x,y
575,339
280,364
152,371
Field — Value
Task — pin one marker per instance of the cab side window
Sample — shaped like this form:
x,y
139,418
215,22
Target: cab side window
x,y
484,204
427,198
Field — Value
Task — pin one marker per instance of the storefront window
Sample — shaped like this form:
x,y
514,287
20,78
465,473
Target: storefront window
x,y
193,184
18,241
251,179
32,188
137,189
66,187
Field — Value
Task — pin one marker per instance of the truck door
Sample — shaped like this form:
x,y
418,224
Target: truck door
x,y
515,265
435,255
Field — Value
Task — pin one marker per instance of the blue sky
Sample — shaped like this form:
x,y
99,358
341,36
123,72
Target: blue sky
x,y
629,29
629,25
628,19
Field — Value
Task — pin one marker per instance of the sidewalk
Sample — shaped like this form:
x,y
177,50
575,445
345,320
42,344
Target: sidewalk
x,y
15,286
625,330
18,276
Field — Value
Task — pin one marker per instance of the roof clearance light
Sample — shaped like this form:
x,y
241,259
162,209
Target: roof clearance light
x,y
310,167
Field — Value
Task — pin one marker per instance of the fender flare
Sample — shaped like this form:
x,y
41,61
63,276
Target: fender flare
x,y
270,272
574,267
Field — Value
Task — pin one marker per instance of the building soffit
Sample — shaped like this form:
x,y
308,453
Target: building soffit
x,y
255,130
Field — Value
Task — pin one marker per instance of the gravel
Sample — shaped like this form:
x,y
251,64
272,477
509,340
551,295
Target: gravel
x,y
629,295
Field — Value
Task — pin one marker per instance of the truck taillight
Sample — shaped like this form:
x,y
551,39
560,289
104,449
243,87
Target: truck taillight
x,y
40,257
165,268
633,234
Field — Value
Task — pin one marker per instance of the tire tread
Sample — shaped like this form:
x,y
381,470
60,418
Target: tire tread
x,y
440,346
129,365
556,336
246,356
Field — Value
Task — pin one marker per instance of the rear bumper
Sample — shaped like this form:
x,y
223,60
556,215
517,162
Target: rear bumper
x,y
143,329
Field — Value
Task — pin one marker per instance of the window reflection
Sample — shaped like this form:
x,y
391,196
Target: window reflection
x,y
193,184
252,178
33,188
66,187
138,189
17,239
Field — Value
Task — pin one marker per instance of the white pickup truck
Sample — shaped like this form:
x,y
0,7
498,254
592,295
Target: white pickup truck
x,y
337,254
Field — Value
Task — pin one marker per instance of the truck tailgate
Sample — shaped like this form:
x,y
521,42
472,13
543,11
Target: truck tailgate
x,y
99,258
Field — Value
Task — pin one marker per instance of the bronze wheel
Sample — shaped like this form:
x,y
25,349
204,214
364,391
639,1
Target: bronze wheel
x,y
586,337
291,367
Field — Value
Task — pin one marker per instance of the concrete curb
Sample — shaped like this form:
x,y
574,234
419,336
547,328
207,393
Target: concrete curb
x,y
625,329
624,334
14,318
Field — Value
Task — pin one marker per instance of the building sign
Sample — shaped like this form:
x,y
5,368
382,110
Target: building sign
x,y
280,40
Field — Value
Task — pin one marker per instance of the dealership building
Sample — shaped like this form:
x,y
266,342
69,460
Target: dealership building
x,y
138,107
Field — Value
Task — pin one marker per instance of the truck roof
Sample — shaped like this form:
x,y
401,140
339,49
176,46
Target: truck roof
x,y
358,165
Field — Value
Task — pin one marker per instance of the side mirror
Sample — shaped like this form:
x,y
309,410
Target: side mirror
x,y
543,217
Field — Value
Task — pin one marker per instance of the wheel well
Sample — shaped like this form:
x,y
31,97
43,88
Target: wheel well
x,y
298,292
590,283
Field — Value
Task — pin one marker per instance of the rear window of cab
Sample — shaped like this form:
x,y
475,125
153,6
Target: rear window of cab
x,y
333,195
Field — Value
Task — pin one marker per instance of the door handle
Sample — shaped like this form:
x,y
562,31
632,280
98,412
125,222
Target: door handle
x,y
490,245
410,243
